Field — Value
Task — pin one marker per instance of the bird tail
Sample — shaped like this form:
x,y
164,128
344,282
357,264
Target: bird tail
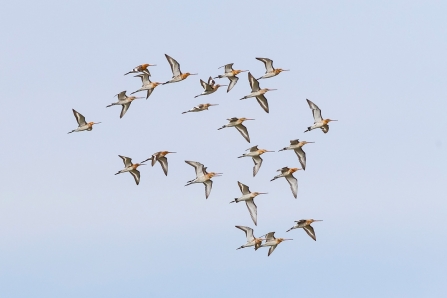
x,y
241,156
70,131
221,127
308,129
289,230
110,105
128,73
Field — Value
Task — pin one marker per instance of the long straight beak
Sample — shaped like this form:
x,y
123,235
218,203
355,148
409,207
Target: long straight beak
x,y
262,193
318,220
249,119
272,89
96,122
223,85
139,97
286,70
193,74
334,120
269,151
287,239
214,104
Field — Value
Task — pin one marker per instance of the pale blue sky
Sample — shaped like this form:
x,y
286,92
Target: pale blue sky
x,y
70,228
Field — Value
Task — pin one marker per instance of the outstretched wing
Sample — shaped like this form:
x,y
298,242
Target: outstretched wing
x,y
124,109
293,184
208,186
310,231
253,149
248,232
164,164
228,67
136,176
233,81
254,84
144,78
301,157
263,102
79,118
315,111
126,160
253,210
243,130
211,82
272,248
122,95
200,171
175,66
244,188
258,162
268,64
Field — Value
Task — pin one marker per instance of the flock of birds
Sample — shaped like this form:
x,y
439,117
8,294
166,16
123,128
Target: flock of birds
x,y
202,175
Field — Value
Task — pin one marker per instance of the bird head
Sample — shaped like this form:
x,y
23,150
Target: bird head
x,y
279,240
262,151
259,193
293,170
163,153
92,123
213,174
187,74
132,98
279,70
313,220
328,120
238,71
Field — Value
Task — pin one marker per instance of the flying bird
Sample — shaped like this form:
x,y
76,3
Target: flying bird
x,y
288,174
82,124
147,84
273,242
319,122
248,197
257,92
305,225
161,158
251,239
270,71
131,168
125,101
230,73
255,154
177,74
297,146
141,68
200,107
237,123
209,87
202,176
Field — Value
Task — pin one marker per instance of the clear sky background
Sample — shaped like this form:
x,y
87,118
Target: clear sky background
x,y
70,228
